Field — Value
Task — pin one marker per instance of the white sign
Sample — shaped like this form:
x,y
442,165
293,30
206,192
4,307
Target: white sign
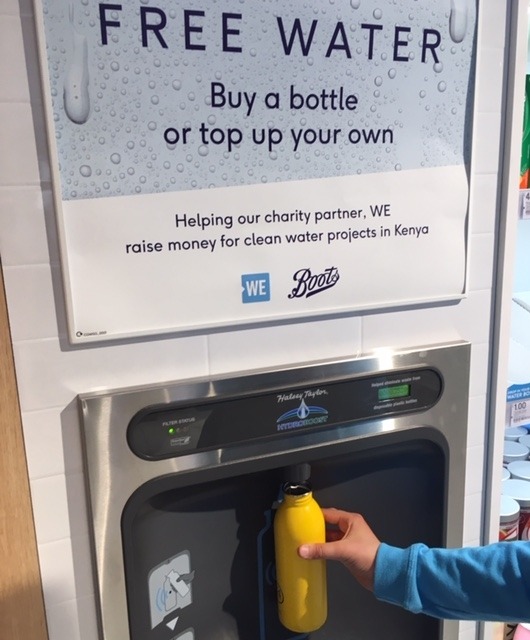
x,y
239,162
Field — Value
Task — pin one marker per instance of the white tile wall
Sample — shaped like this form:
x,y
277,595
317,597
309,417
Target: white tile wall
x,y
18,162
56,560
50,375
50,508
476,433
12,49
44,444
491,32
64,622
487,87
21,209
473,517
481,248
486,147
291,343
484,201
32,303
16,7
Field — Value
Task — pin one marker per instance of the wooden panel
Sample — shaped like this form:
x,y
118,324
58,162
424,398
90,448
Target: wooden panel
x,y
22,614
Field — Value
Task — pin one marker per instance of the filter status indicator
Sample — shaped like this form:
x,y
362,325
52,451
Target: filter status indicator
x,y
393,392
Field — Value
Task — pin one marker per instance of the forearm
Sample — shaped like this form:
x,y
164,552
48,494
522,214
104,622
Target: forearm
x,y
474,583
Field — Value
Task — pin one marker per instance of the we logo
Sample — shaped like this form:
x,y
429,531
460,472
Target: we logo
x,y
256,287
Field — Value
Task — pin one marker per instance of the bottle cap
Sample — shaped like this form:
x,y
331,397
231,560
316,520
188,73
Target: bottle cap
x,y
514,451
510,509
520,469
518,490
514,433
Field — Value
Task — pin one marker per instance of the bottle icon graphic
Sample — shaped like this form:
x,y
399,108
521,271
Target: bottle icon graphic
x,y
75,89
458,20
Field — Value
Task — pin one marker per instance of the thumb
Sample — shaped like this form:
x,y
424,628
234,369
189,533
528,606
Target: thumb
x,y
317,550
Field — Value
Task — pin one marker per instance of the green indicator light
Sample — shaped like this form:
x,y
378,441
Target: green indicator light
x,y
171,430
391,393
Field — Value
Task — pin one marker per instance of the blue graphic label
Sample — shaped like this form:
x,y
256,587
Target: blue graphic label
x,y
256,287
518,392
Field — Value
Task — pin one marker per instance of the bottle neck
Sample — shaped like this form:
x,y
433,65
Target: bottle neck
x,y
297,492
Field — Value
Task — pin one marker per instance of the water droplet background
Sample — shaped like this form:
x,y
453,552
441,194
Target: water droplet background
x,y
136,93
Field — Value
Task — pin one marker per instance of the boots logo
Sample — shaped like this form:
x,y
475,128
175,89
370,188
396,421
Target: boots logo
x,y
309,284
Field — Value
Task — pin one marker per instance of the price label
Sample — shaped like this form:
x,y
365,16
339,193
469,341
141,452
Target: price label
x,y
524,202
520,413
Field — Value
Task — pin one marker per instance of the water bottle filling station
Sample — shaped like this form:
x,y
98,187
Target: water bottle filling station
x,y
184,480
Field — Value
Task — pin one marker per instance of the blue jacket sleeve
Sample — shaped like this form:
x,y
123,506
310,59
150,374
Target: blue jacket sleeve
x,y
474,583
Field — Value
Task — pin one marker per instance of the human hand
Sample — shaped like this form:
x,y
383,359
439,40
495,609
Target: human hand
x,y
353,543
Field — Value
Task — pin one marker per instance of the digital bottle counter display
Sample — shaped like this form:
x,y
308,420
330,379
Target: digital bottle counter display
x,y
393,392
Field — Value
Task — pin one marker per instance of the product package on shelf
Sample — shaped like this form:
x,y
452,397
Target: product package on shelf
x,y
525,146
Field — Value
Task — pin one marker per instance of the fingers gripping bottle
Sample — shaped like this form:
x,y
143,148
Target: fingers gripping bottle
x,y
301,583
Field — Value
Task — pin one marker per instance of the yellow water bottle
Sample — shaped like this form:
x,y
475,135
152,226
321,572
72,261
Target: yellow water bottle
x,y
301,584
